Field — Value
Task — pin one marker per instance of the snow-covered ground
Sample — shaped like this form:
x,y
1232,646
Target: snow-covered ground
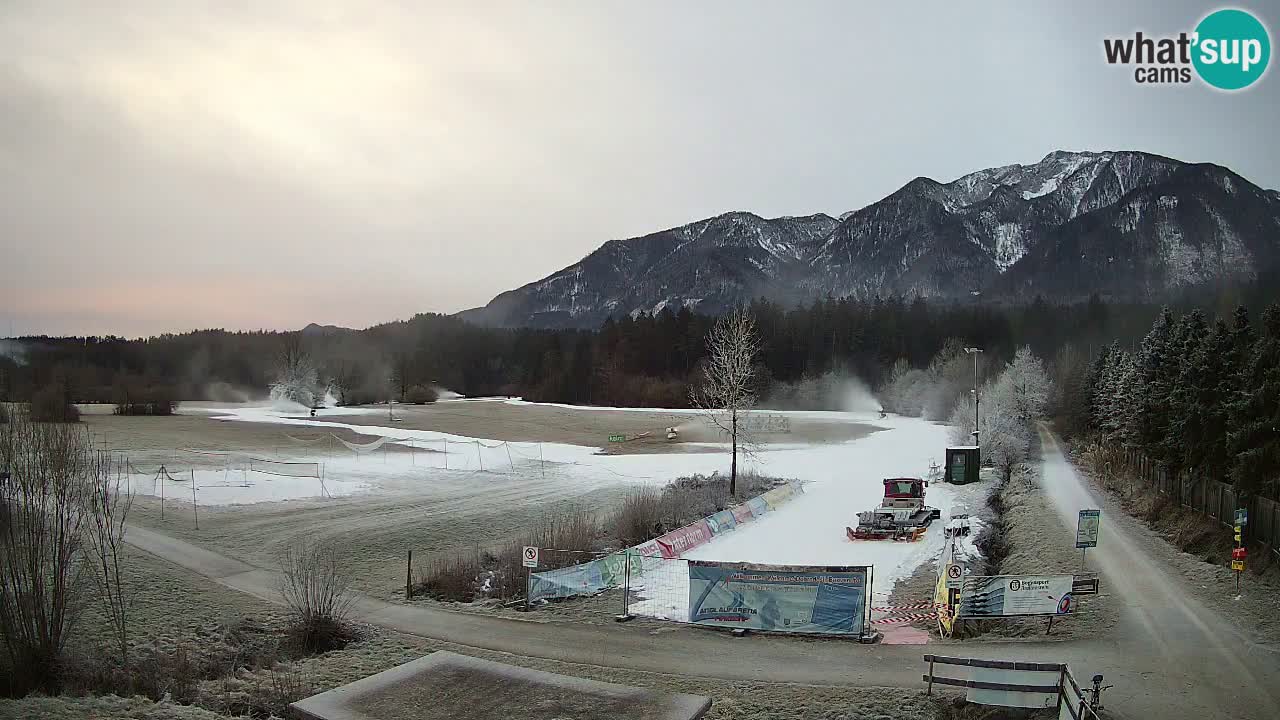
x,y
841,479
844,479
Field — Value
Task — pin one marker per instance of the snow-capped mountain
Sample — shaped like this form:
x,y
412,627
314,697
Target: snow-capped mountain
x,y
1122,224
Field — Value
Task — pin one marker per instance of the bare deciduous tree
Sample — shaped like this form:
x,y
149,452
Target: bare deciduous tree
x,y
296,375
43,511
727,391
109,510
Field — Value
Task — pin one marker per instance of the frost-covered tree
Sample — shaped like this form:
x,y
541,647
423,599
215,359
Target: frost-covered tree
x,y
1156,367
1255,421
1029,385
1006,438
1011,404
297,379
727,391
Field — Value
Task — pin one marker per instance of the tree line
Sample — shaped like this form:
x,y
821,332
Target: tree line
x,y
1198,397
645,360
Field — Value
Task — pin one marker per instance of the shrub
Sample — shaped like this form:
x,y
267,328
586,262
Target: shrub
x,y
132,397
420,395
318,594
49,404
466,576
639,518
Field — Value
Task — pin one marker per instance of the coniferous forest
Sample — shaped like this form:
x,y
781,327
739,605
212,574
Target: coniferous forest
x,y
1189,387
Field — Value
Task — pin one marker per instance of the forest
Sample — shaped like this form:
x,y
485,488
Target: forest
x,y
1187,390
642,361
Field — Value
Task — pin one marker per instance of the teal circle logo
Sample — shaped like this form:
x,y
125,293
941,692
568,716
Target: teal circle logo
x,y
1232,49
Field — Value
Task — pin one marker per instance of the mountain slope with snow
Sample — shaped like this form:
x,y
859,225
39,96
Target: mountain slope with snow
x,y
1126,225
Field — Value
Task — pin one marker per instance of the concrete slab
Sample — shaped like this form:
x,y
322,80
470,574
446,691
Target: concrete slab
x,y
448,685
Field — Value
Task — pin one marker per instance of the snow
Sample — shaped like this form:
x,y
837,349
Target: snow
x,y
840,480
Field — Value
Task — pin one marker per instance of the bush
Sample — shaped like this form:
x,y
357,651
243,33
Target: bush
x,y
467,576
318,594
50,404
639,517
133,396
420,395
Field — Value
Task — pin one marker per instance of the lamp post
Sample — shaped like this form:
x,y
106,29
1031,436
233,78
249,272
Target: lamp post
x,y
975,351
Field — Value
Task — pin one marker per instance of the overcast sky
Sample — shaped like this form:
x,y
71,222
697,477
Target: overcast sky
x,y
170,165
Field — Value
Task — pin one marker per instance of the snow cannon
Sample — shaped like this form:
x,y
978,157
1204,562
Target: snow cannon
x,y
901,516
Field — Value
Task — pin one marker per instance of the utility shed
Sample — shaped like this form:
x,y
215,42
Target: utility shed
x,y
963,464
448,685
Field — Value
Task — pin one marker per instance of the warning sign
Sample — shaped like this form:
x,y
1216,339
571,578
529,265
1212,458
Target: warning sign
x,y
954,575
530,556
1237,565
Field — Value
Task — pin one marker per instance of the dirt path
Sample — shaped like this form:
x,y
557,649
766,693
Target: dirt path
x,y
1153,679
1160,618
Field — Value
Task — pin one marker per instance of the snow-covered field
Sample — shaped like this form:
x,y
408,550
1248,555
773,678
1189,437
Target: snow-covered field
x,y
844,479
841,479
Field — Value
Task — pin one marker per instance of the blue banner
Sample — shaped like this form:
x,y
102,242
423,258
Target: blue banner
x,y
824,600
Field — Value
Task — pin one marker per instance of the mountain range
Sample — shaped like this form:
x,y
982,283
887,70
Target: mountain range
x,y
1124,225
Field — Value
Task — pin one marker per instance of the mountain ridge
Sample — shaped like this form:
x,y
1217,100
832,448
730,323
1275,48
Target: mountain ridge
x,y
1010,232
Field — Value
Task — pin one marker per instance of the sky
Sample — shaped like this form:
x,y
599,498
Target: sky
x,y
173,165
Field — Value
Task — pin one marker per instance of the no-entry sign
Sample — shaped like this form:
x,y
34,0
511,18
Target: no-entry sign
x,y
530,556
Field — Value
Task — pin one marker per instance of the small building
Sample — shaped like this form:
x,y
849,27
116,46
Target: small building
x,y
963,464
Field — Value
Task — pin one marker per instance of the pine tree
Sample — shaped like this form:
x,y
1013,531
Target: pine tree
x,y
1255,437
1153,366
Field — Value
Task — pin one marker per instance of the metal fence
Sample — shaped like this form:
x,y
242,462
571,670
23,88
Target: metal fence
x,y
1017,684
1213,499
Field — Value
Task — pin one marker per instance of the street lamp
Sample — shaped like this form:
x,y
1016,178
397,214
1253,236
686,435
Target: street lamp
x,y
975,351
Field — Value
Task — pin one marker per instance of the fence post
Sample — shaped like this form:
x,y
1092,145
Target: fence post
x,y
929,690
408,577
626,588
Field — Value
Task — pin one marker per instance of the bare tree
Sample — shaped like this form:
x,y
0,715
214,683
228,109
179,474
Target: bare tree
x,y
44,508
727,392
296,375
110,503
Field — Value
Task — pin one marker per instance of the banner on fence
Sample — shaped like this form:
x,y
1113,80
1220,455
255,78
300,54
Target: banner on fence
x,y
678,542
584,579
824,600
609,571
779,495
722,521
1013,595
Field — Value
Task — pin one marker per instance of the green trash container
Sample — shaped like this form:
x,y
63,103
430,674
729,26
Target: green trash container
x,y
963,464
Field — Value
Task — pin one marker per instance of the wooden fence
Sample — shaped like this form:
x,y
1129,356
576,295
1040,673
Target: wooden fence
x,y
1213,499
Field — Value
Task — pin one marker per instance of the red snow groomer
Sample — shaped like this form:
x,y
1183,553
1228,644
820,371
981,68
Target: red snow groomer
x,y
902,514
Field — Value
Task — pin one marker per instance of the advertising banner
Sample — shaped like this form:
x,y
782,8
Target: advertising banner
x,y
758,506
777,496
582,579
742,513
722,521
678,542
1013,595
827,600
649,549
